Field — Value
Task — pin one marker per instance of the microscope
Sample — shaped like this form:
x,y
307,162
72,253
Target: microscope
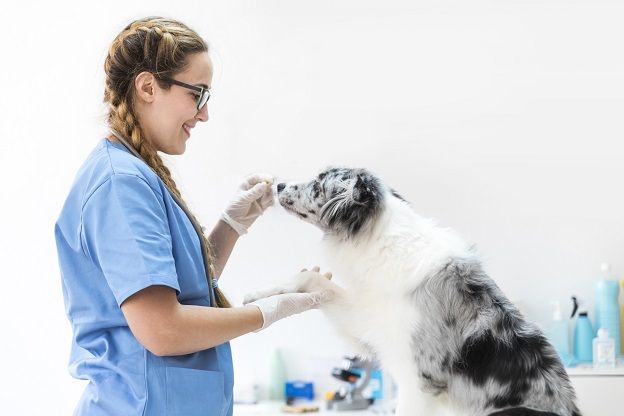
x,y
355,374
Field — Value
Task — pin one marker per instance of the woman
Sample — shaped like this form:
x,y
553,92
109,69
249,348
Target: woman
x,y
150,326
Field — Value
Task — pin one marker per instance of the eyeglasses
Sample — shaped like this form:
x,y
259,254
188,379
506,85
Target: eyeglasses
x,y
203,94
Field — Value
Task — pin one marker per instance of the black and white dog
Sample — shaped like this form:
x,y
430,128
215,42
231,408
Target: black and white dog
x,y
416,297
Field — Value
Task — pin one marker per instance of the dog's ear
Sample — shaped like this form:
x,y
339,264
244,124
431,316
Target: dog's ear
x,y
363,189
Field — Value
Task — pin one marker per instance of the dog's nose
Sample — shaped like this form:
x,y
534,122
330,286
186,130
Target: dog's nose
x,y
280,187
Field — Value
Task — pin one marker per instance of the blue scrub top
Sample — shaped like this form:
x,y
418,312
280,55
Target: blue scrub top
x,y
120,231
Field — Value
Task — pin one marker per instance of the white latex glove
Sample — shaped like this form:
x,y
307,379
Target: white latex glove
x,y
252,199
308,292
276,307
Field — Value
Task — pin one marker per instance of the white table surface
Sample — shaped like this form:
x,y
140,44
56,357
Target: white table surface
x,y
599,393
274,408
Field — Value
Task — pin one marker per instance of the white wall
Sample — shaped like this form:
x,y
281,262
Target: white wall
x,y
502,119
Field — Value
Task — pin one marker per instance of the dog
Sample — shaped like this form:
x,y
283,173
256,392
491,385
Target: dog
x,y
416,297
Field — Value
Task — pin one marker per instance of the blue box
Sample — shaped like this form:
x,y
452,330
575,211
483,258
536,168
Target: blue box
x,y
298,389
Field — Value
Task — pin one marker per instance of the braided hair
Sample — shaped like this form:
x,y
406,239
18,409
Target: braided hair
x,y
160,46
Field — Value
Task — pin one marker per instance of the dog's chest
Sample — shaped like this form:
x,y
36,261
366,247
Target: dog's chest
x,y
379,317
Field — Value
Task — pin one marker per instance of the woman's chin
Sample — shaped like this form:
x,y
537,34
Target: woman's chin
x,y
175,150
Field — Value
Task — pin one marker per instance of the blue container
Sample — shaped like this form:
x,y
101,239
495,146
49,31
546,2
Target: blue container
x,y
608,310
299,390
583,339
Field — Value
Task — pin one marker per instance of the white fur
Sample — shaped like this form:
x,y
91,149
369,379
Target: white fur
x,y
415,297
378,274
372,311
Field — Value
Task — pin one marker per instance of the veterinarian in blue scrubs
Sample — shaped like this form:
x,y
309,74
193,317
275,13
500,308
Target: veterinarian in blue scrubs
x,y
150,326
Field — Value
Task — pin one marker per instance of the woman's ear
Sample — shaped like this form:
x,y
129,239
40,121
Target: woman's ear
x,y
144,85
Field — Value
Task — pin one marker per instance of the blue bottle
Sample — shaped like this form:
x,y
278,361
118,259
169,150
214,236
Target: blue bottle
x,y
607,306
583,338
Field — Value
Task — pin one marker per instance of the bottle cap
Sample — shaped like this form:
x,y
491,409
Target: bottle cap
x,y
603,333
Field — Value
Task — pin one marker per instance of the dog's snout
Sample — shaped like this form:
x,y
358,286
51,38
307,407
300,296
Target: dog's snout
x,y
280,187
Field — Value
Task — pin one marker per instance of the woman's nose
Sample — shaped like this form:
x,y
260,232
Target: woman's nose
x,y
202,115
280,187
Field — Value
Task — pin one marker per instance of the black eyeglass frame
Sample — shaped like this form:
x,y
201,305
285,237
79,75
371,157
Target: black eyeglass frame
x,y
204,93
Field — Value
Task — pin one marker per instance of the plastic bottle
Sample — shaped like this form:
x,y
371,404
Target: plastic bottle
x,y
622,316
376,383
277,376
583,338
559,334
604,350
607,306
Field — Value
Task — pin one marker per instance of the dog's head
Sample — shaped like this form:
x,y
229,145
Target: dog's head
x,y
340,201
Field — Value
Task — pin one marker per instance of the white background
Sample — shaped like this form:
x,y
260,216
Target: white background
x,y
502,119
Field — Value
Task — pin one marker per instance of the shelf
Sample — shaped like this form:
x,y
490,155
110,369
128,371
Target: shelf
x,y
588,370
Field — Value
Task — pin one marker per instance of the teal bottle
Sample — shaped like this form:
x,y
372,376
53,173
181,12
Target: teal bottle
x,y
583,338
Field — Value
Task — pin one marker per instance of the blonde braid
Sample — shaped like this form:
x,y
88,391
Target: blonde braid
x,y
160,46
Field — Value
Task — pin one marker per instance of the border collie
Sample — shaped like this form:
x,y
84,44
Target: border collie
x,y
416,297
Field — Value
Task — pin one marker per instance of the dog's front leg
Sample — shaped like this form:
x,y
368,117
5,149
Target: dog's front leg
x,y
305,281
338,308
340,313
265,293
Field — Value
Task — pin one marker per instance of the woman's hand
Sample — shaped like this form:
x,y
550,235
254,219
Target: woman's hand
x,y
307,290
276,307
252,199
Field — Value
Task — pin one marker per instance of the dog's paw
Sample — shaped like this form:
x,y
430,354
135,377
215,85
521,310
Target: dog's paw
x,y
310,281
250,297
259,294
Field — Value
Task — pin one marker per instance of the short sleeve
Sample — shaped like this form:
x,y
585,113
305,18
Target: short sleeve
x,y
125,232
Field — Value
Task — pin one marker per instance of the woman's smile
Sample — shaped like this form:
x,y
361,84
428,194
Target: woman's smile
x,y
187,129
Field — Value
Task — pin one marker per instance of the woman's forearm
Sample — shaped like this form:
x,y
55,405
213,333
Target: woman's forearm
x,y
222,240
196,328
166,327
